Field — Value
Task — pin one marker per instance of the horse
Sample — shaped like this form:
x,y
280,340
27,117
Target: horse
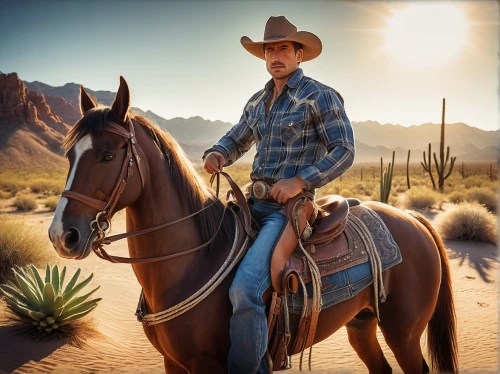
x,y
160,185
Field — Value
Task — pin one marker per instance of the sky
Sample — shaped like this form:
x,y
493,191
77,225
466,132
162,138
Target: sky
x,y
392,62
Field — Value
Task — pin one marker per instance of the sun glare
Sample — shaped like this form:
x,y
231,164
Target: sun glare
x,y
422,35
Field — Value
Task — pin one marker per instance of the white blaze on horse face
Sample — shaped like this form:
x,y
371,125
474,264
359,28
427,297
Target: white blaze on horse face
x,y
84,144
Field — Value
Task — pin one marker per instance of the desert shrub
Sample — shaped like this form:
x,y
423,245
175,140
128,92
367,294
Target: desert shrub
x,y
20,245
25,202
51,202
422,198
47,186
483,196
5,195
467,221
476,181
456,196
393,197
346,193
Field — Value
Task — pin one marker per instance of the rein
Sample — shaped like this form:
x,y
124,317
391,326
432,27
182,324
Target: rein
x,y
106,207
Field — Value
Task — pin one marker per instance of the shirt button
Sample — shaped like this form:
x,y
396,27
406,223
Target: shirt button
x,y
290,124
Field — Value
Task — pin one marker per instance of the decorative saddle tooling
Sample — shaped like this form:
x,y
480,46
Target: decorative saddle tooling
x,y
341,252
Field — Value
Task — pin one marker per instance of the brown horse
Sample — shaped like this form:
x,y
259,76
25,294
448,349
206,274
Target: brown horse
x,y
161,186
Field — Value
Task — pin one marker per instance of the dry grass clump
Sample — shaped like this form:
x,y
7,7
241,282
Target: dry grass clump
x,y
456,197
51,202
25,202
20,244
467,221
5,195
422,198
47,186
484,196
346,193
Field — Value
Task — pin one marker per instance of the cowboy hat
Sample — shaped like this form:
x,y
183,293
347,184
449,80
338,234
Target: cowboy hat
x,y
279,29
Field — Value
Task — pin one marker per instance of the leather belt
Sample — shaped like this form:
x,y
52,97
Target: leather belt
x,y
261,190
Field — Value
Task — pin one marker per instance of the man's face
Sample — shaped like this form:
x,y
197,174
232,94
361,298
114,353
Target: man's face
x,y
281,59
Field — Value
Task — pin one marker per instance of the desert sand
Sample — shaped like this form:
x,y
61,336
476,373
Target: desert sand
x,y
122,346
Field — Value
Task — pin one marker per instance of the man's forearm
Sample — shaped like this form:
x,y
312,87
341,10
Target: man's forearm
x,y
328,168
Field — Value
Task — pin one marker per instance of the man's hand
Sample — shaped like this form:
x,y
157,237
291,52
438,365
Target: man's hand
x,y
214,162
287,188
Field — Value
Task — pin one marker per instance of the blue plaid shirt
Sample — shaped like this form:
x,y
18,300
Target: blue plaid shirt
x,y
306,133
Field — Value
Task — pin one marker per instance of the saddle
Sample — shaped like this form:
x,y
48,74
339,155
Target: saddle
x,y
332,245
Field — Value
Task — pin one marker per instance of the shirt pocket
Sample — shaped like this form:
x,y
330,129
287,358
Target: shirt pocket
x,y
292,126
252,122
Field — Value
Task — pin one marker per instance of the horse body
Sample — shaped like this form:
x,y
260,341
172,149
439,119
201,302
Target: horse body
x,y
198,340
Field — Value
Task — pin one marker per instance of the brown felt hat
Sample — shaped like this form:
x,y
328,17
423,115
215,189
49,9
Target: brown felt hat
x,y
279,29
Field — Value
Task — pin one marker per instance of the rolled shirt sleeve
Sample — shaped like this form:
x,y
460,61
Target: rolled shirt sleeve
x,y
335,131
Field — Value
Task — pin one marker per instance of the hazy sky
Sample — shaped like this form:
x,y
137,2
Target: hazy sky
x,y
391,62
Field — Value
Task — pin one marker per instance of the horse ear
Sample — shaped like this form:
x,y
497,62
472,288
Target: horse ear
x,y
121,104
86,102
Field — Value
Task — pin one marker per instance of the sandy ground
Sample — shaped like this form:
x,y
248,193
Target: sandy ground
x,y
123,347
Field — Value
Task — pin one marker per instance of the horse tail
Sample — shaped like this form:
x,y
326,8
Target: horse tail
x,y
442,345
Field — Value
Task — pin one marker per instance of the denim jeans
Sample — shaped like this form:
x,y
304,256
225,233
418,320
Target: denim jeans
x,y
248,326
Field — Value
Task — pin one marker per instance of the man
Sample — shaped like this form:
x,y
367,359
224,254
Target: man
x,y
304,140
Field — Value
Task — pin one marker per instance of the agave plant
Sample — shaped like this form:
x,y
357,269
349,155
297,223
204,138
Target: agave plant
x,y
47,304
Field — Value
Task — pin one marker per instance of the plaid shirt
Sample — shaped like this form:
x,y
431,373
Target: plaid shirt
x,y
306,133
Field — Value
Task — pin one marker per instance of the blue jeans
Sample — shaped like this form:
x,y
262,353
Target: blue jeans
x,y
248,326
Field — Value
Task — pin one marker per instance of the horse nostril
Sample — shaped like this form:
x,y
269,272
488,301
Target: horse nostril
x,y
72,238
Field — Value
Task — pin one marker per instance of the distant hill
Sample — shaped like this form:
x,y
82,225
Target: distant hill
x,y
31,133
373,140
373,133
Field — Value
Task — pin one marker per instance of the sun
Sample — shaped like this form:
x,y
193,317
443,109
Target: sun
x,y
422,35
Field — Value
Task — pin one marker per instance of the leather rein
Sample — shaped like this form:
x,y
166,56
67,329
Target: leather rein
x,y
106,208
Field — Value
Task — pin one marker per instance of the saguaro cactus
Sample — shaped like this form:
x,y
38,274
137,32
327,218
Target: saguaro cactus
x,y
427,165
441,166
386,179
408,171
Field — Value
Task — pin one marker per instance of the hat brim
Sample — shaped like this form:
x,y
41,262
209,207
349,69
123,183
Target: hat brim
x,y
311,43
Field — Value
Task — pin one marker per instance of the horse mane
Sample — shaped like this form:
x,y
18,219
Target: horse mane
x,y
190,187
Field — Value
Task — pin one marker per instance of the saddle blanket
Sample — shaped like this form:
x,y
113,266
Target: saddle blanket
x,y
347,283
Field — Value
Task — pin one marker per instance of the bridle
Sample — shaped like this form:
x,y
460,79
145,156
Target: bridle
x,y
106,208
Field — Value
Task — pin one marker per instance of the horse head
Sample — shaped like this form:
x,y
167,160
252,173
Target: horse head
x,y
107,173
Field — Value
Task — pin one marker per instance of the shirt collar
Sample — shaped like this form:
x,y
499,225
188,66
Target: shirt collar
x,y
293,82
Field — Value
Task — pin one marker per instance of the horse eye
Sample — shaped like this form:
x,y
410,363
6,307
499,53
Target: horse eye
x,y
108,157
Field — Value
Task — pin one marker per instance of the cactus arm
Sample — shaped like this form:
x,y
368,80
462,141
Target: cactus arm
x,y
451,167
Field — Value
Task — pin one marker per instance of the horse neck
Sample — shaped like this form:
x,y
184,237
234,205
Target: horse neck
x,y
166,283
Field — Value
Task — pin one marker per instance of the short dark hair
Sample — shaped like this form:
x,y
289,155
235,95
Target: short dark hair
x,y
296,46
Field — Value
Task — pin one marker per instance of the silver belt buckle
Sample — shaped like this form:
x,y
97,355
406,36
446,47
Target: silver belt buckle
x,y
260,190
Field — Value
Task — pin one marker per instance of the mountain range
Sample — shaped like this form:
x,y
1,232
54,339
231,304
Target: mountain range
x,y
35,117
